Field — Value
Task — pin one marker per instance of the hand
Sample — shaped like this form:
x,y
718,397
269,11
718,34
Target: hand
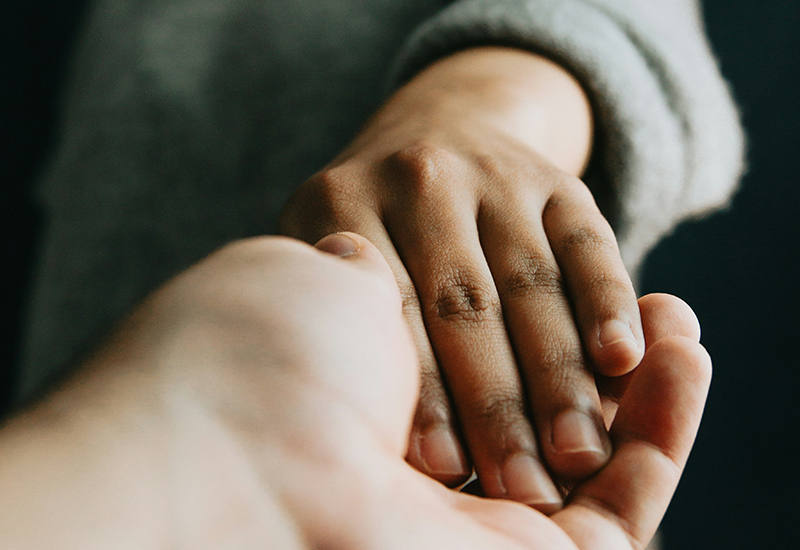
x,y
511,278
264,399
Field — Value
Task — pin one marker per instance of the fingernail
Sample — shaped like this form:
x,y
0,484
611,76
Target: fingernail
x,y
441,453
338,244
615,332
575,432
527,481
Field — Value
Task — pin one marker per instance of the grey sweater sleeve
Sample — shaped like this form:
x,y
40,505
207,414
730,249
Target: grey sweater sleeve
x,y
187,123
668,140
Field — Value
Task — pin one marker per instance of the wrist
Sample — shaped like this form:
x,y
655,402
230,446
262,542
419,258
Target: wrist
x,y
517,93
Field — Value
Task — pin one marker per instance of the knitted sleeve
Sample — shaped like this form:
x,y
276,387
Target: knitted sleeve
x,y
668,140
187,123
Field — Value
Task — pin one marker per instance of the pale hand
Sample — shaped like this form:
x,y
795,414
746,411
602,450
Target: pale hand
x,y
264,398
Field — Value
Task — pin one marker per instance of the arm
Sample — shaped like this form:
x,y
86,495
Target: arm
x,y
529,98
161,163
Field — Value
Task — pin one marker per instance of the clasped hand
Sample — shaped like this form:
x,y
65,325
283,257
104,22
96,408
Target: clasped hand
x,y
511,278
263,399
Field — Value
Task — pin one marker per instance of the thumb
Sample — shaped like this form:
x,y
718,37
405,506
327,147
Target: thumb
x,y
381,369
653,433
358,251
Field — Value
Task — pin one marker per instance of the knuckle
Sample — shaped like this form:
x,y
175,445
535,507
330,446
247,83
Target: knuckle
x,y
422,166
492,166
608,286
568,192
561,363
322,204
465,299
586,239
500,409
330,187
532,275
575,188
506,177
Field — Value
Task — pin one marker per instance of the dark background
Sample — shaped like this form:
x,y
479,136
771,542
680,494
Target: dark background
x,y
738,269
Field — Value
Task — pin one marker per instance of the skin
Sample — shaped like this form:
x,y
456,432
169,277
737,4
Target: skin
x,y
264,399
467,181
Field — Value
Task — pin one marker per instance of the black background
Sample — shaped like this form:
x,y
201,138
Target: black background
x,y
738,269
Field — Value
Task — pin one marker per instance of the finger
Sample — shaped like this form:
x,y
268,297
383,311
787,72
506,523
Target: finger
x,y
434,445
600,290
564,401
666,315
662,315
464,321
360,252
653,433
326,204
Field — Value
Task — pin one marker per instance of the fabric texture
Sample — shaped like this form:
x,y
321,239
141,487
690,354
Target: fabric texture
x,y
188,123
669,141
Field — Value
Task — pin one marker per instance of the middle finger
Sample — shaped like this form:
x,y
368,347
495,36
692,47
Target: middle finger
x,y
565,405
462,314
